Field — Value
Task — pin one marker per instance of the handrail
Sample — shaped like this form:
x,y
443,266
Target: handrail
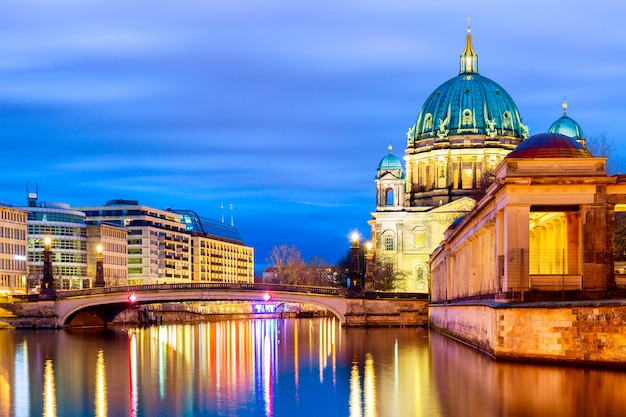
x,y
224,286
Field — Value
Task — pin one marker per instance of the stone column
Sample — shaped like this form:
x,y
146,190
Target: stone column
x,y
516,248
594,237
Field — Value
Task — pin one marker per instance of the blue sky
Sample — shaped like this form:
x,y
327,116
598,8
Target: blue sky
x,y
282,108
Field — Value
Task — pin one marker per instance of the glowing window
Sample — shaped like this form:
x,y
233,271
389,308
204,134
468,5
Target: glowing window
x,y
467,175
419,240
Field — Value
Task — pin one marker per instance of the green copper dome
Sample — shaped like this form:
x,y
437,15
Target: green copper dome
x,y
468,104
567,126
390,164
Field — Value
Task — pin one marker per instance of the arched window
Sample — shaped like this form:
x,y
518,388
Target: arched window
x,y
389,197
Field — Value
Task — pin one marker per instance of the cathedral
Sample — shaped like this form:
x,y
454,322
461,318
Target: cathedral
x,y
463,131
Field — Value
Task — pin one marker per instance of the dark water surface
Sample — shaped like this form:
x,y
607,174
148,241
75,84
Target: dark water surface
x,y
306,367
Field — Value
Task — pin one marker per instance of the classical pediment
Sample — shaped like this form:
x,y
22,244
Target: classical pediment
x,y
464,204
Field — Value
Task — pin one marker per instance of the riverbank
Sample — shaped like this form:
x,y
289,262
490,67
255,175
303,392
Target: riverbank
x,y
575,332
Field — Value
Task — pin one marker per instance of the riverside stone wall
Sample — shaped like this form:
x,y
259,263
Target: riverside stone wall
x,y
373,313
580,332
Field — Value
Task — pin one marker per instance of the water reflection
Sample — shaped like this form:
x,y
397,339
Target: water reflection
x,y
49,394
275,368
101,387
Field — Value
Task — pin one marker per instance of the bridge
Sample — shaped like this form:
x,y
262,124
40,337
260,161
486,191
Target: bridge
x,y
99,306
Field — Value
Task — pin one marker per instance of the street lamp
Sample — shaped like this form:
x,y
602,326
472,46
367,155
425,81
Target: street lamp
x,y
47,282
369,267
354,261
99,268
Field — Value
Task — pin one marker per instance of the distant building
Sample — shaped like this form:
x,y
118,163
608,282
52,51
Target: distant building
x,y
13,267
168,246
113,242
67,230
158,246
218,252
270,275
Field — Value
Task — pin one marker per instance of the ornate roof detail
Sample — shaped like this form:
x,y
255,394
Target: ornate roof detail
x,y
469,58
567,126
390,164
549,145
468,104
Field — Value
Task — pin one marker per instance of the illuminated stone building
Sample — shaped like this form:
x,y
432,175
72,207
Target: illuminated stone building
x,y
13,232
544,224
463,131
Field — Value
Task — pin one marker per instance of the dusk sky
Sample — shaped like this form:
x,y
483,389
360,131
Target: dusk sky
x,y
282,108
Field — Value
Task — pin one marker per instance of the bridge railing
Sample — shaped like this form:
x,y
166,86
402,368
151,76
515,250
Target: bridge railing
x,y
224,286
202,286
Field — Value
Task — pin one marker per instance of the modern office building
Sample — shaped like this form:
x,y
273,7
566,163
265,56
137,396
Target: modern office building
x,y
159,247
109,244
218,252
67,230
168,246
13,267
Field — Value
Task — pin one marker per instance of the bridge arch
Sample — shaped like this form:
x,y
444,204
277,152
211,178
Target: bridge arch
x,y
102,305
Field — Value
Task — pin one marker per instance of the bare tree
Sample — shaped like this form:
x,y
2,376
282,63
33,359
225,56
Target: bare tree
x,y
602,144
317,272
387,277
289,265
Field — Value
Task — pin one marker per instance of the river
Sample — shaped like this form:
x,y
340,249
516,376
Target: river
x,y
284,367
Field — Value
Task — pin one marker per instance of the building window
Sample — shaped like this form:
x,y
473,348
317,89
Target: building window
x,y
389,197
389,243
419,240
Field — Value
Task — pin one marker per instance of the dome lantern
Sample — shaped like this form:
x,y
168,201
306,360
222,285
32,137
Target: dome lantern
x,y
469,58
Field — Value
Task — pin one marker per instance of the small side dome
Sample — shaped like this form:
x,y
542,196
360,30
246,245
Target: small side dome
x,y
549,145
567,126
390,163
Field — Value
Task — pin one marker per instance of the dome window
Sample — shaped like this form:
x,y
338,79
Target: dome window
x,y
467,90
467,117
428,123
506,123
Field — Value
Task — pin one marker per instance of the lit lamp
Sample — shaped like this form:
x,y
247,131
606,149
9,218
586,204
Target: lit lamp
x,y
47,282
369,267
99,268
354,261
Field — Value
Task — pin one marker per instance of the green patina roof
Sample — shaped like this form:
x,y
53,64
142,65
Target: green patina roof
x,y
468,104
567,126
390,163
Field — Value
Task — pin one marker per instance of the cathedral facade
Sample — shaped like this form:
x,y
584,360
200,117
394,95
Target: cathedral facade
x,y
463,131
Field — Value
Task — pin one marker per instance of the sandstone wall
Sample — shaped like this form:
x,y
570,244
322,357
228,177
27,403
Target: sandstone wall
x,y
565,332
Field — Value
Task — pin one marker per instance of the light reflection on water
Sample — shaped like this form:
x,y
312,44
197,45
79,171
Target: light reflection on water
x,y
273,368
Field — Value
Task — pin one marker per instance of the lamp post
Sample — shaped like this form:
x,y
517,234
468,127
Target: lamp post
x,y
369,267
47,282
99,268
354,261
